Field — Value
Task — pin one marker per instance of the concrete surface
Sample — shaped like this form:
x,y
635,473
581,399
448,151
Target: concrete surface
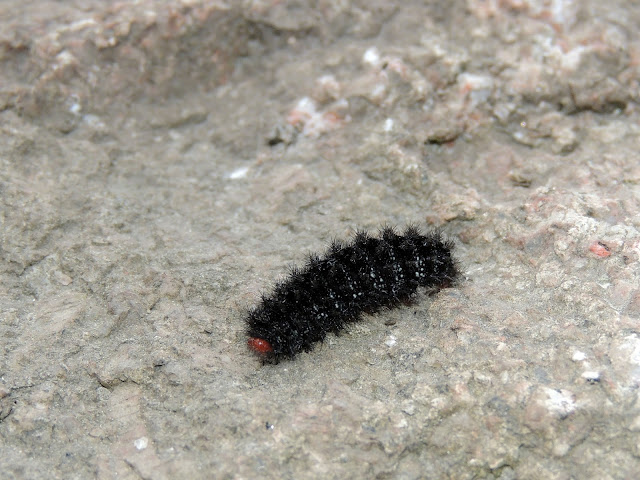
x,y
163,162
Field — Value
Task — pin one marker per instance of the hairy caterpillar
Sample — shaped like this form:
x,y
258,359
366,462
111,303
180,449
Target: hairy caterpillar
x,y
333,290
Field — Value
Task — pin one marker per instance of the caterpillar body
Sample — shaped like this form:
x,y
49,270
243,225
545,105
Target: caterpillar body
x,y
332,290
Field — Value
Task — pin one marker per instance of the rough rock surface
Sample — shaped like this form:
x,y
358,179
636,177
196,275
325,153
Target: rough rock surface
x,y
163,162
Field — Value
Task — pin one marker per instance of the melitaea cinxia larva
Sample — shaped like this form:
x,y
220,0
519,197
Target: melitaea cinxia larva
x,y
333,290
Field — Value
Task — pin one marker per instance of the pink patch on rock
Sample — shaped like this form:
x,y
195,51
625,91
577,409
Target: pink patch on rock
x,y
600,249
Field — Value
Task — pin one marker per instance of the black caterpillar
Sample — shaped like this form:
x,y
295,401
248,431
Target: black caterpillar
x,y
333,290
